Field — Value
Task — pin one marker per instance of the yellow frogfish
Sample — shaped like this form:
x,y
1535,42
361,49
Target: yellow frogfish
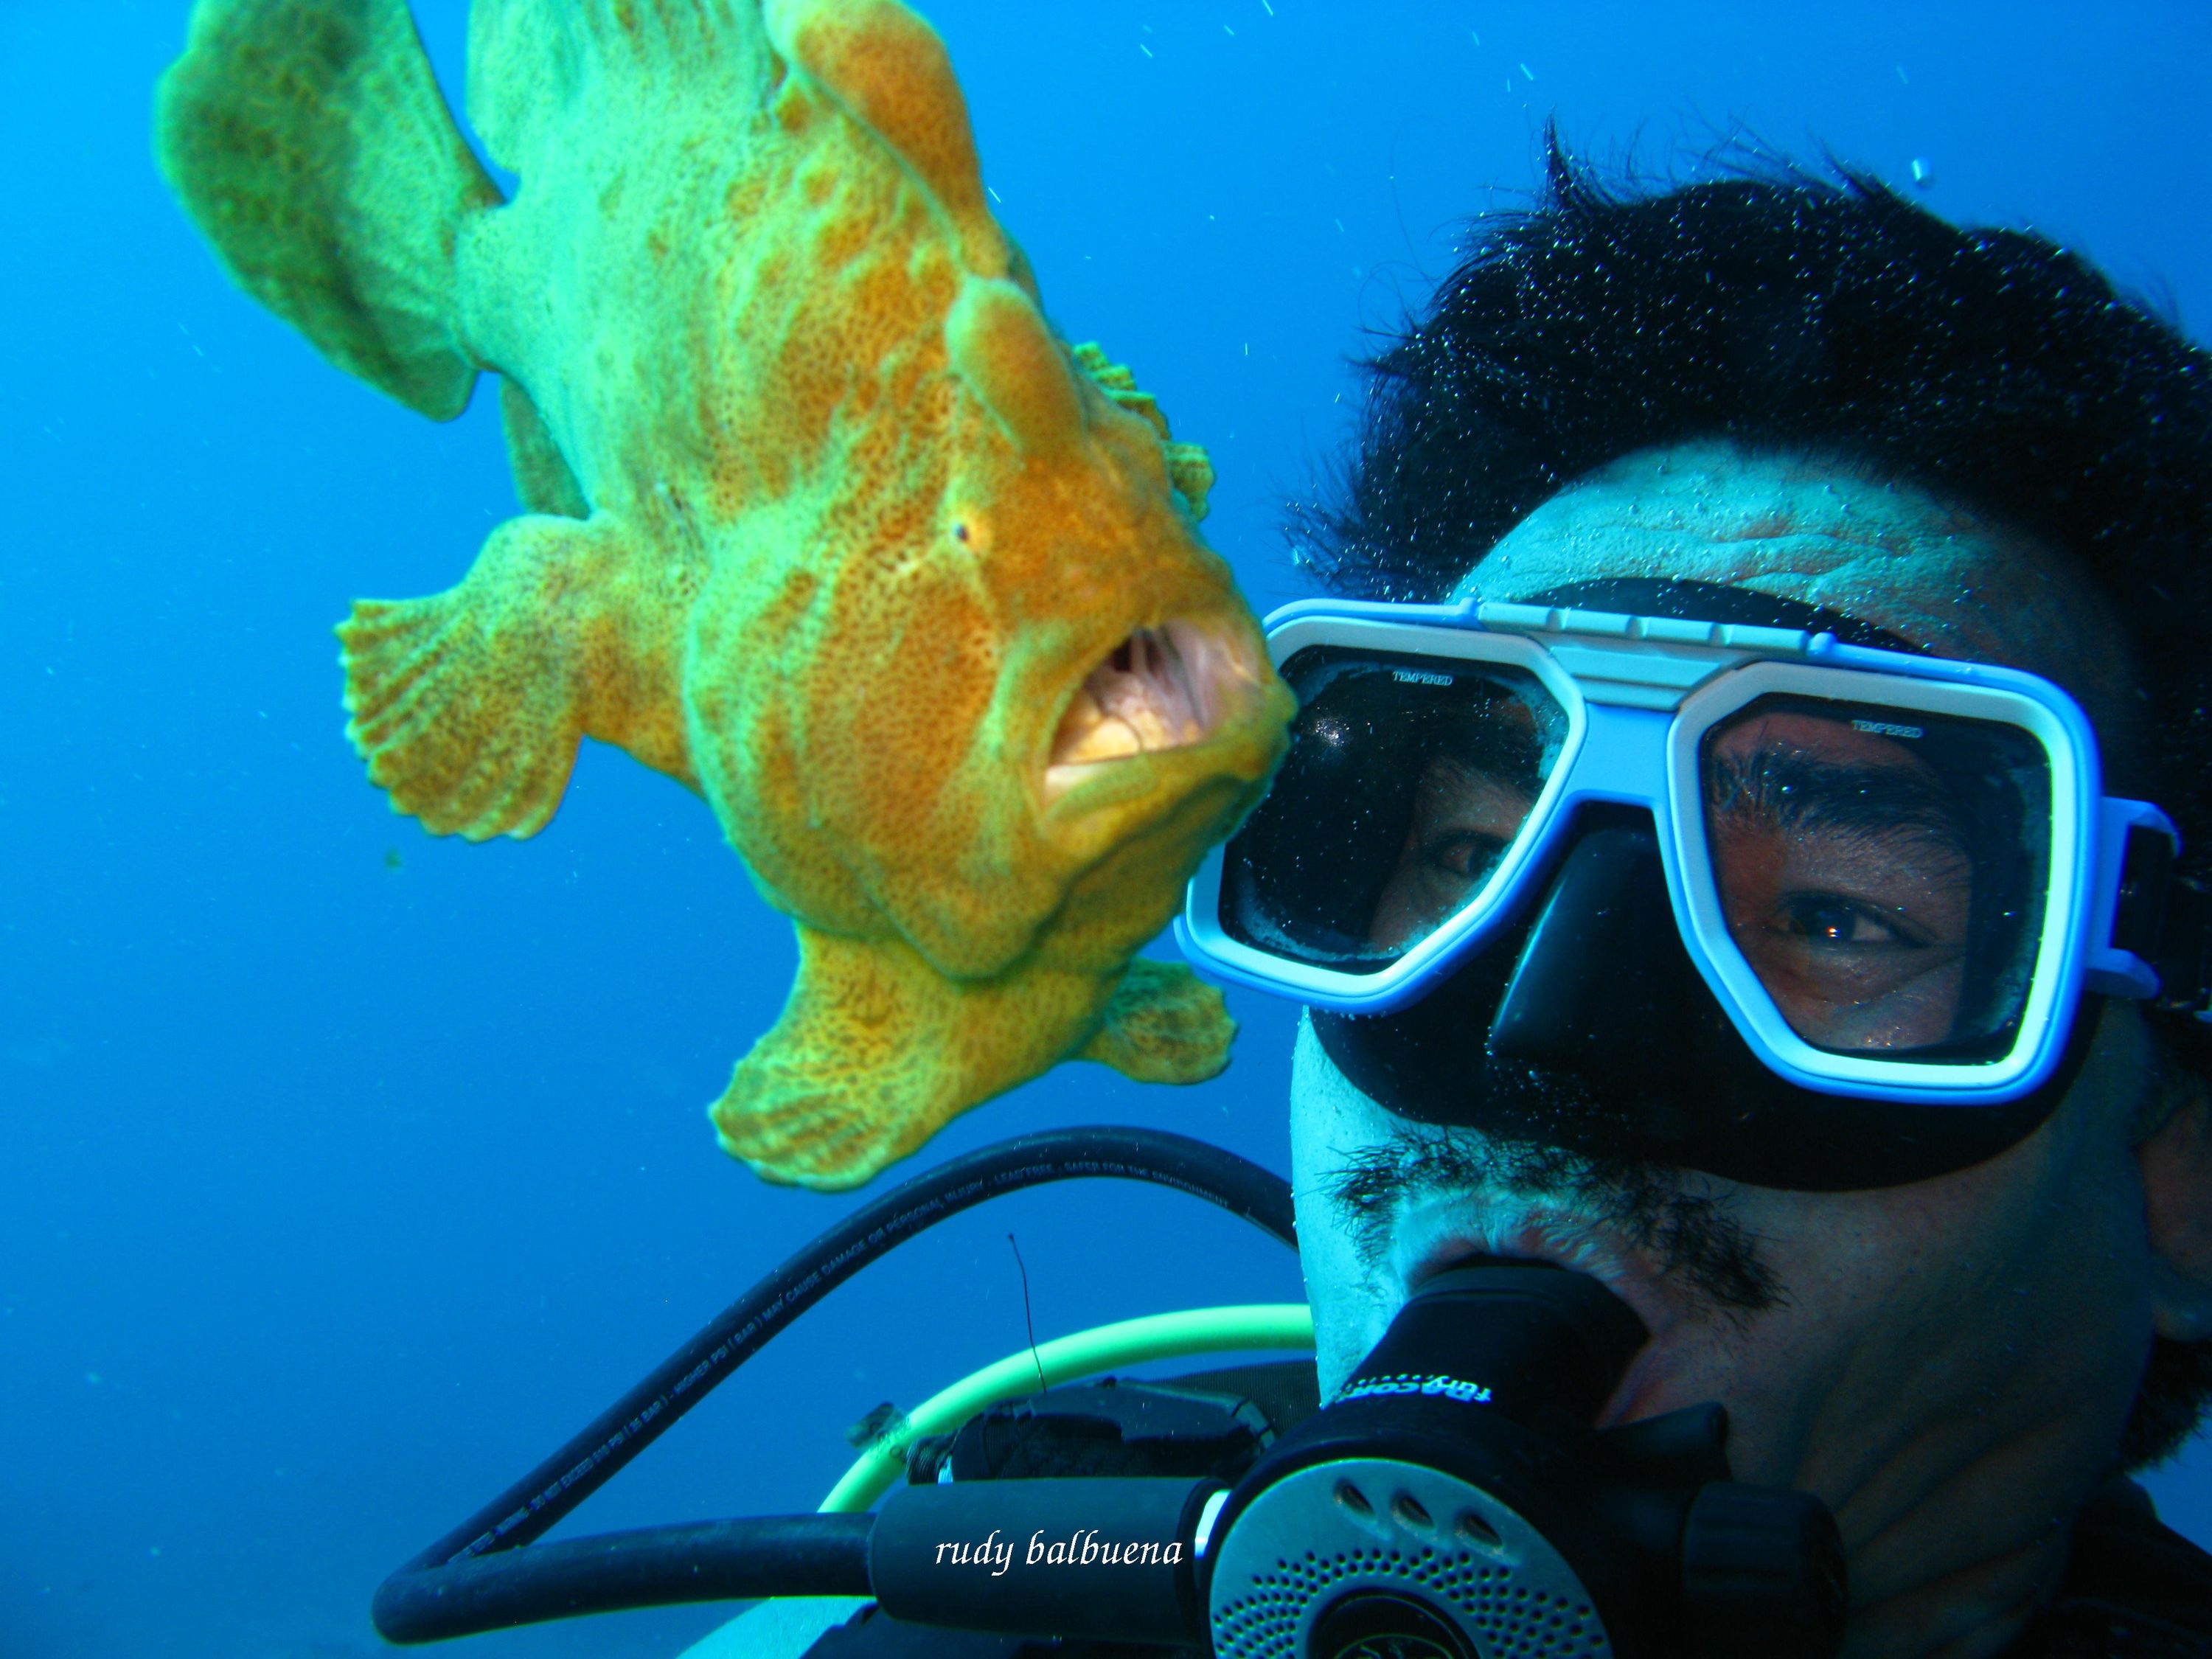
x,y
821,518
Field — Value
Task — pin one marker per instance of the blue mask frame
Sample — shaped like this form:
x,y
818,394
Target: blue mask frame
x,y
1638,694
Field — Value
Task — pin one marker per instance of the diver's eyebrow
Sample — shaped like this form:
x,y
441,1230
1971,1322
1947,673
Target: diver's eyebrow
x,y
1790,787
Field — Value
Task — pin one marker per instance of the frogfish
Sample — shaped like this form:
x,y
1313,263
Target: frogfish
x,y
821,518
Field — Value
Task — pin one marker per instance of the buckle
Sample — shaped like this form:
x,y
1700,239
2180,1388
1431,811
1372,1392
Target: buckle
x,y
2183,957
2165,920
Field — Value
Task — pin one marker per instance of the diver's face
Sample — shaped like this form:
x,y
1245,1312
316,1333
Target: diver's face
x,y
1947,1364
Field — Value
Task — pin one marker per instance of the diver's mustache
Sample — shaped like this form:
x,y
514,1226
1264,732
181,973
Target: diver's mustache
x,y
1694,1239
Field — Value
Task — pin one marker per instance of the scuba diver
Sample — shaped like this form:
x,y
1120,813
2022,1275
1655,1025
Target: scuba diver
x,y
1739,853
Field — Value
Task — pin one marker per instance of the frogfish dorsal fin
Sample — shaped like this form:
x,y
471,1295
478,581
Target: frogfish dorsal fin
x,y
522,71
890,71
535,65
998,345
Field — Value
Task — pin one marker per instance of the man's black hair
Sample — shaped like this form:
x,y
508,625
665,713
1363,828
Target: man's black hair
x,y
1786,311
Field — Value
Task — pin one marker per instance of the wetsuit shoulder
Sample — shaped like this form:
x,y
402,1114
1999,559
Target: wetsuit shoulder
x,y
2134,1589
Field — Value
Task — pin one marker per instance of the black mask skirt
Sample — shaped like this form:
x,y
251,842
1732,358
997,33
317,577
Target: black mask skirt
x,y
1585,1025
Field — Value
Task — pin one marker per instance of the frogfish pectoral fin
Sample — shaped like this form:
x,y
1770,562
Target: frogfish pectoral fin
x,y
876,1051
1165,1025
468,705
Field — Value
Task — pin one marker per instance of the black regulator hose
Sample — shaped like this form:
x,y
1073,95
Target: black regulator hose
x,y
477,1577
743,1559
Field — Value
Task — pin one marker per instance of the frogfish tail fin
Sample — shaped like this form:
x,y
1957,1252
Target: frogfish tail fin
x,y
309,142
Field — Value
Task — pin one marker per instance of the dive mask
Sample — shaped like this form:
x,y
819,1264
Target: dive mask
x,y
1895,874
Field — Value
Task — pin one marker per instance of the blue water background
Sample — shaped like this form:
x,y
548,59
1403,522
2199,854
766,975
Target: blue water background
x,y
332,1195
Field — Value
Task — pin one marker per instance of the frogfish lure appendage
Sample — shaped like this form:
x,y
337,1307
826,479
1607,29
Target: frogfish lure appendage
x,y
821,517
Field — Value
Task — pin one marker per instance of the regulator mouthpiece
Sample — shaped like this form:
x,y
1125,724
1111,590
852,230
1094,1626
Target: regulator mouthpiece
x,y
1527,1339
1454,1501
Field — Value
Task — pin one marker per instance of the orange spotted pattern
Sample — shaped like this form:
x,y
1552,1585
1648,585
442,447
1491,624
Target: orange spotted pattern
x,y
825,522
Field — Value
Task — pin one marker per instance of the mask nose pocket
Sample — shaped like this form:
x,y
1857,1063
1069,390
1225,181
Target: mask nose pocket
x,y
1604,990
1603,987
1591,984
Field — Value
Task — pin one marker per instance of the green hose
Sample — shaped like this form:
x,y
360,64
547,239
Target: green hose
x,y
1104,1348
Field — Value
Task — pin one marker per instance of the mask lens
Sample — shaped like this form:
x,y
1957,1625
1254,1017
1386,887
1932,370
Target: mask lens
x,y
1407,780
1883,872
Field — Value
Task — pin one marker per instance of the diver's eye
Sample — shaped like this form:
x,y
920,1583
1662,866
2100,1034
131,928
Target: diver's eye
x,y
1823,919
1467,856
